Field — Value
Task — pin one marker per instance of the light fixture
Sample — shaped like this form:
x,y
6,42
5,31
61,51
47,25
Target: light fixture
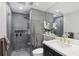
x,y
57,10
36,4
21,8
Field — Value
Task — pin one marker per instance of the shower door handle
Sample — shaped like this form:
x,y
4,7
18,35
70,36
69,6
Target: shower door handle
x,y
29,43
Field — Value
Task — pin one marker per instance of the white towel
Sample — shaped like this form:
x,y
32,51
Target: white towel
x,y
7,41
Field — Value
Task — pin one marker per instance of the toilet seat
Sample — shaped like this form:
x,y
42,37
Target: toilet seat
x,y
38,51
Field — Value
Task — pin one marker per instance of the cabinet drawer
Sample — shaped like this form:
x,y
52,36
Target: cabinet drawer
x,y
50,52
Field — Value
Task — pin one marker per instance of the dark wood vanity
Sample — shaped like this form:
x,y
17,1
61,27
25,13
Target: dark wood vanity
x,y
57,48
49,52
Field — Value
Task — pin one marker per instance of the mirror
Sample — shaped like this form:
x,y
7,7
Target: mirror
x,y
58,25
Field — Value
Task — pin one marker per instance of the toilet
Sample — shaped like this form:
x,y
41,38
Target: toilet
x,y
38,52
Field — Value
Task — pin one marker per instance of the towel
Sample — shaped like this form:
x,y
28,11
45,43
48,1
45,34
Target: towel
x,y
4,46
34,37
8,42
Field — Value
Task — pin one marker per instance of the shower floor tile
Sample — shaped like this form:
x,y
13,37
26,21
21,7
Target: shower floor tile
x,y
20,52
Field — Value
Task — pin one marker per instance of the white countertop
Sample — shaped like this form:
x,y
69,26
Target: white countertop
x,y
70,50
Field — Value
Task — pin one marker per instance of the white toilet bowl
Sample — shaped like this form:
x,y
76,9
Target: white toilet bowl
x,y
38,52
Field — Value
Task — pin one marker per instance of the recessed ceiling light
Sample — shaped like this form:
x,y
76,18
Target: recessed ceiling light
x,y
57,10
36,4
21,8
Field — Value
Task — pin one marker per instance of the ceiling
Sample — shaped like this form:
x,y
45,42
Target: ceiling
x,y
63,7
24,7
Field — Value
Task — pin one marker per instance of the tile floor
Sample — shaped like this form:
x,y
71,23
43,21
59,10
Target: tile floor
x,y
21,52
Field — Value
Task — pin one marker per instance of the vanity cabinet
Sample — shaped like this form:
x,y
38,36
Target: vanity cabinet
x,y
49,52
